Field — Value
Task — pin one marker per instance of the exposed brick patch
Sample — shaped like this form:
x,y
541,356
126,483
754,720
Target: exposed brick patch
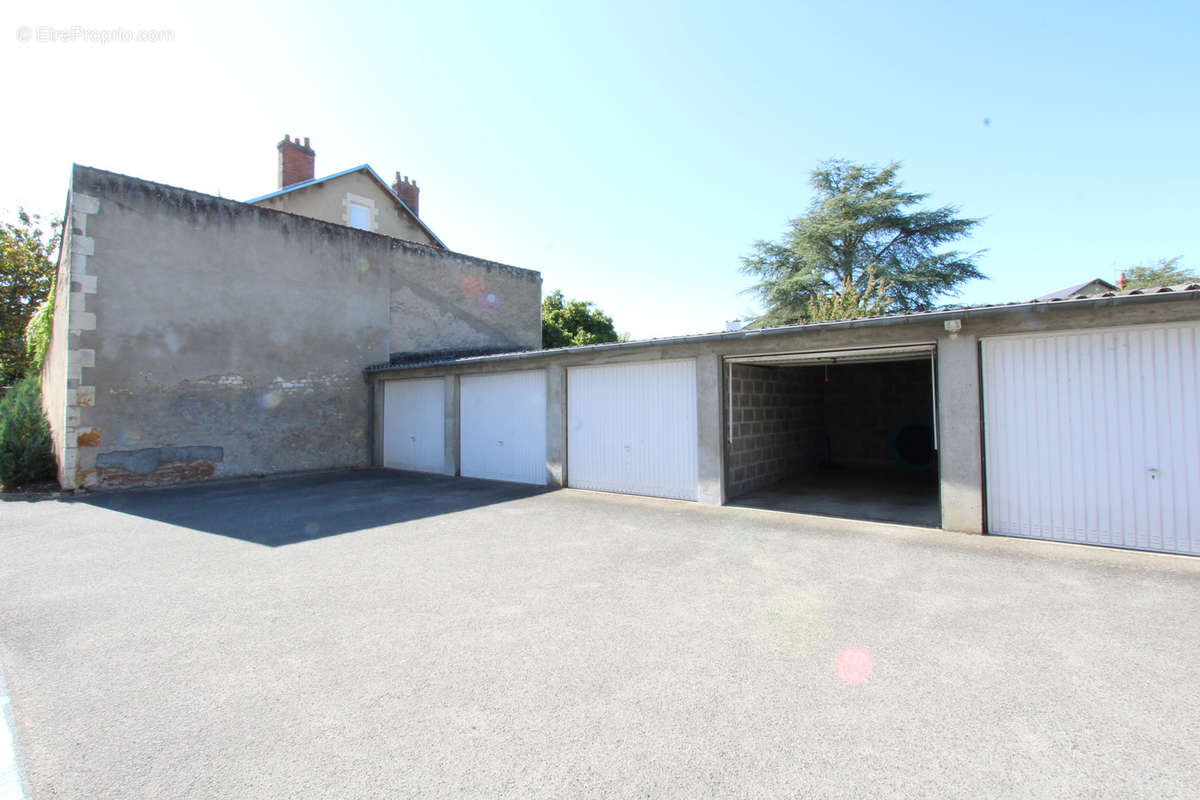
x,y
175,472
88,438
150,459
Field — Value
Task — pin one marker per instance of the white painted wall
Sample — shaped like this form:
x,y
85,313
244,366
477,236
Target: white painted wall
x,y
1095,436
503,426
631,428
414,422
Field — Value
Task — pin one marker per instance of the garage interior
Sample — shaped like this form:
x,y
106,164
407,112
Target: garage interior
x,y
849,434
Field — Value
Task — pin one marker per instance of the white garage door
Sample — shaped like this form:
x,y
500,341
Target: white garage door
x,y
414,425
631,428
1095,437
503,426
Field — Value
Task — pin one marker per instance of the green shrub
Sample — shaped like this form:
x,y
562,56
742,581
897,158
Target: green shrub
x,y
26,453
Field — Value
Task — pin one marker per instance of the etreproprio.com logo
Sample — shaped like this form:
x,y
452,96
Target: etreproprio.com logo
x,y
79,34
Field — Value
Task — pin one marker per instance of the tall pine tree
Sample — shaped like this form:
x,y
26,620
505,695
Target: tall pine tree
x,y
861,223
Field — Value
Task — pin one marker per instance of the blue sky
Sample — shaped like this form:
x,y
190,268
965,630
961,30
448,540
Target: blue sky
x,y
633,152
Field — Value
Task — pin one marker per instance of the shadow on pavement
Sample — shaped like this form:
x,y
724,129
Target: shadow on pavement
x,y
280,511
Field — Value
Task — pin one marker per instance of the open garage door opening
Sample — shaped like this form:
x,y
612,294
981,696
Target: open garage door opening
x,y
843,434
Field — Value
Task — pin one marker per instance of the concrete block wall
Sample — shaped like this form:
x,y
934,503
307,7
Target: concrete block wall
x,y
775,427
864,404
439,299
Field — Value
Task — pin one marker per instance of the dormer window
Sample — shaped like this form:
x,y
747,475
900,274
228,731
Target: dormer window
x,y
360,216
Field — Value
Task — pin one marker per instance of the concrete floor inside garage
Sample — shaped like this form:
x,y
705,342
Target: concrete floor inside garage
x,y
876,496
851,440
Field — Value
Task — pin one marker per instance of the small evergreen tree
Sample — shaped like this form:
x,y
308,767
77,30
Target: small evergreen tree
x,y
26,452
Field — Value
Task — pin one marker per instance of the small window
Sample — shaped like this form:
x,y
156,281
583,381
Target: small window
x,y
360,217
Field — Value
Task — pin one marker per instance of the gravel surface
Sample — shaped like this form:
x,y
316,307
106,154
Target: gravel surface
x,y
379,634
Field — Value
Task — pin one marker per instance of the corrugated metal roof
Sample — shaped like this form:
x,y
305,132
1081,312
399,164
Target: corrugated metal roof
x,y
450,356
950,312
360,168
1115,292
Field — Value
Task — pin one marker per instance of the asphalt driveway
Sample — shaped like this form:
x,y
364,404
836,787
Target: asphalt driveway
x,y
379,634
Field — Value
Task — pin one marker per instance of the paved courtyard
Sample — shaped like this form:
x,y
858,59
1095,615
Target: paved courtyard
x,y
376,634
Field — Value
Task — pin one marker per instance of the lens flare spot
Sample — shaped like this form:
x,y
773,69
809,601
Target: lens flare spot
x,y
270,400
312,528
853,666
362,265
488,301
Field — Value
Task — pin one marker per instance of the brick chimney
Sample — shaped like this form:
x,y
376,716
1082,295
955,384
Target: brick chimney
x,y
408,192
297,162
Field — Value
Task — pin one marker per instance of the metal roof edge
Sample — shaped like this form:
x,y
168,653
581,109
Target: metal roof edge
x,y
754,333
306,184
387,187
371,171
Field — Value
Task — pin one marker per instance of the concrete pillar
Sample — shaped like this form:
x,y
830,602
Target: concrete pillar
x,y
450,465
556,426
376,388
960,433
711,485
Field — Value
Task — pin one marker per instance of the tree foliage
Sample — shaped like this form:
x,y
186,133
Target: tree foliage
x,y
861,223
1160,272
566,323
851,303
37,333
26,453
26,276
